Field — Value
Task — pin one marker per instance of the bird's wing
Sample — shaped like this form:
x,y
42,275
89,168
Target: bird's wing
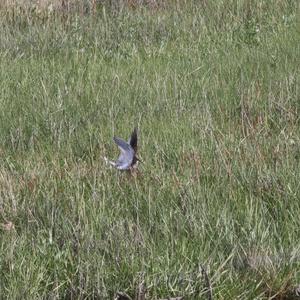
x,y
133,140
127,153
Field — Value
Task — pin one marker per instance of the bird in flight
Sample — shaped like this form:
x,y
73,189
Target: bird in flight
x,y
127,159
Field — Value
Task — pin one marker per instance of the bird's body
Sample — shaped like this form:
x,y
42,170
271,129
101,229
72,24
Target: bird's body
x,y
127,159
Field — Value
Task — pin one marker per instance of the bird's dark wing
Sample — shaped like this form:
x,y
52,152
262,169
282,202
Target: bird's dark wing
x,y
134,140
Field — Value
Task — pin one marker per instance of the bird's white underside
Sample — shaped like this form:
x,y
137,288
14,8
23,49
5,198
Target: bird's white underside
x,y
114,164
124,167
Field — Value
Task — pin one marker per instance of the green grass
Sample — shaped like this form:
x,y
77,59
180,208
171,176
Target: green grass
x,y
214,90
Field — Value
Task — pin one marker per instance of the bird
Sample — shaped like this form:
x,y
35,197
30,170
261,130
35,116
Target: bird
x,y
128,159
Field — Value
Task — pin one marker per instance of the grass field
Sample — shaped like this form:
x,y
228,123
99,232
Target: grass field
x,y
213,87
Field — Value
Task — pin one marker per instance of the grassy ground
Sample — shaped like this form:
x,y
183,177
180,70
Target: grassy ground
x,y
214,88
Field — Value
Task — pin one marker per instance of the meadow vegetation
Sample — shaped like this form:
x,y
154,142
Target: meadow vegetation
x,y
213,87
